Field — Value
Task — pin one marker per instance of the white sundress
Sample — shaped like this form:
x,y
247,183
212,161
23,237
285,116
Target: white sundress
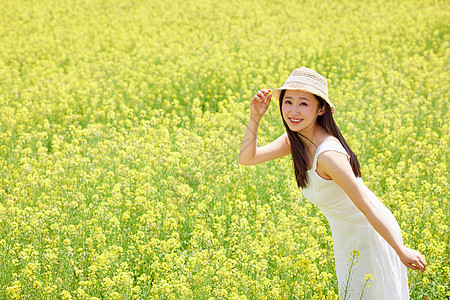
x,y
352,231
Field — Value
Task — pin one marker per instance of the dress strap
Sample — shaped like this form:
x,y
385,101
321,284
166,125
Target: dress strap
x,y
330,145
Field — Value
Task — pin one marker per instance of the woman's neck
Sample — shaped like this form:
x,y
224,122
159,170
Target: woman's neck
x,y
314,137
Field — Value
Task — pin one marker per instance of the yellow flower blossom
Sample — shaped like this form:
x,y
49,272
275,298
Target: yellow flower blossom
x,y
121,125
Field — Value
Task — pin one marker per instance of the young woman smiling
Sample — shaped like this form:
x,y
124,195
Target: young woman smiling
x,y
328,173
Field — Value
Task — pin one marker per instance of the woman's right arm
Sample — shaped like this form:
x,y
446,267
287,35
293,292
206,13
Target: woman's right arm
x,y
250,154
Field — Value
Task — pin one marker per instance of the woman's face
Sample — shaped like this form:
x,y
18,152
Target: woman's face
x,y
300,110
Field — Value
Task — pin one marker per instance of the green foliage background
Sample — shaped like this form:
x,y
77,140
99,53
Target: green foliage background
x,y
121,124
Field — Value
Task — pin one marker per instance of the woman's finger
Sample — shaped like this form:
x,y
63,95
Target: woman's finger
x,y
424,263
420,266
256,98
423,260
268,99
262,96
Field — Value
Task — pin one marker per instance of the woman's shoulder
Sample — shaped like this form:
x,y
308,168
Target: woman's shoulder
x,y
329,140
331,144
287,139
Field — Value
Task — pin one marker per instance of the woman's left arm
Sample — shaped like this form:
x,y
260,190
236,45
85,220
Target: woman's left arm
x,y
337,167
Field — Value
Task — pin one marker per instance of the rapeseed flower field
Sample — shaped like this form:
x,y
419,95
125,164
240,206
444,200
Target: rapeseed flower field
x,y
121,124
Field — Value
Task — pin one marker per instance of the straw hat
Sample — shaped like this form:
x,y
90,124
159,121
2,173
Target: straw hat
x,y
307,80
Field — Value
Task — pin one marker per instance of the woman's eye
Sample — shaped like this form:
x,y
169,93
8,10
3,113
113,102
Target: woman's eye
x,y
304,103
287,102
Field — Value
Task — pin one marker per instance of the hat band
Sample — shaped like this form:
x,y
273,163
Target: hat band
x,y
305,87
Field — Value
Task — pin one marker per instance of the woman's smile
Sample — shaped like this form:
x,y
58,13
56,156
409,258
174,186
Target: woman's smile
x,y
295,120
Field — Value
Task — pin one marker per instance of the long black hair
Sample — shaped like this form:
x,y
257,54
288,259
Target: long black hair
x,y
298,150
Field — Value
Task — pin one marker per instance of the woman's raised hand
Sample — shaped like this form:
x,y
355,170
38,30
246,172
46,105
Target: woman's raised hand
x,y
260,102
413,259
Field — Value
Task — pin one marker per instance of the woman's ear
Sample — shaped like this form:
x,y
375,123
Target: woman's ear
x,y
321,110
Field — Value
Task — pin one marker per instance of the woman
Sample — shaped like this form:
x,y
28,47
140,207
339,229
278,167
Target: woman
x,y
328,173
